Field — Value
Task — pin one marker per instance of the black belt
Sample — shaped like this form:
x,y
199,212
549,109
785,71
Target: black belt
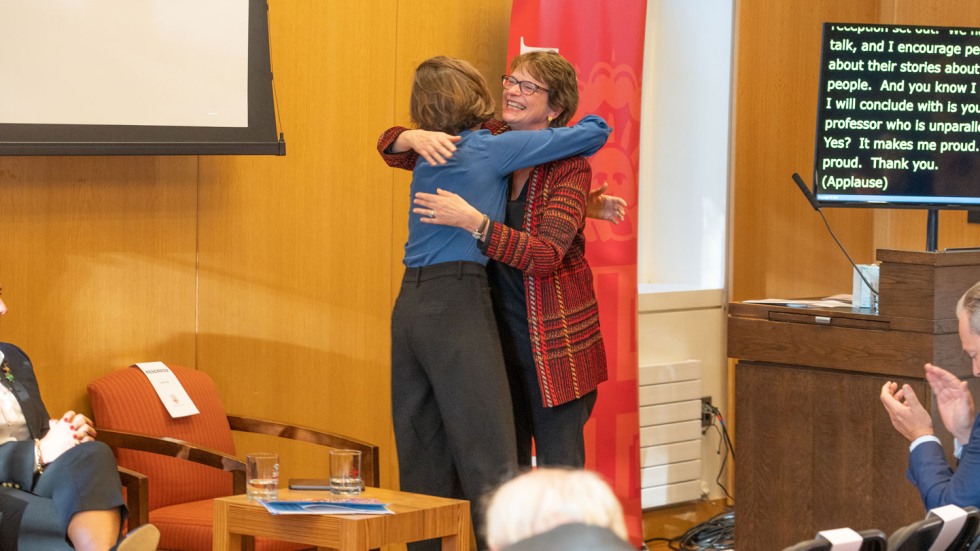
x,y
446,269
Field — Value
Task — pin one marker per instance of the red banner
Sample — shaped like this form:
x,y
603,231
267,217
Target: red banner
x,y
604,41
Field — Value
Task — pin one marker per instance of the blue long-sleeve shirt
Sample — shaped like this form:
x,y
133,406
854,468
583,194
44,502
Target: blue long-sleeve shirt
x,y
478,172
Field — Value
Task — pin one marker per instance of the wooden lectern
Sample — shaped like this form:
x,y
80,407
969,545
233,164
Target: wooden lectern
x,y
815,449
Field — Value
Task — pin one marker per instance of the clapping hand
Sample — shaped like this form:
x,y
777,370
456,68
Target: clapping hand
x,y
906,412
954,401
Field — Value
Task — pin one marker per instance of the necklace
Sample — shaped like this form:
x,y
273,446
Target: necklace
x,y
8,383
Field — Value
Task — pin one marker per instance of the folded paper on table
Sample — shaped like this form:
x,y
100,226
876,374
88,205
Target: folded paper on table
x,y
359,506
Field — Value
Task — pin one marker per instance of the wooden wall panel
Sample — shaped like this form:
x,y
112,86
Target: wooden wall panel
x,y
97,264
294,272
780,247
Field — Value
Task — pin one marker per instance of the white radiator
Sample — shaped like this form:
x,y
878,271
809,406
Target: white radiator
x,y
670,433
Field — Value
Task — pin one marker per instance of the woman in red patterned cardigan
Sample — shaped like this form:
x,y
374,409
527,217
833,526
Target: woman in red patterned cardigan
x,y
544,298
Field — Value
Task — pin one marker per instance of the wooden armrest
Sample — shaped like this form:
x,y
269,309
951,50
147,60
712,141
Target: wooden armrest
x,y
137,497
369,452
173,447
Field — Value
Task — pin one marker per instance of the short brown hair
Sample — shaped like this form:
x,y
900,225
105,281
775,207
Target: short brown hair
x,y
558,76
449,95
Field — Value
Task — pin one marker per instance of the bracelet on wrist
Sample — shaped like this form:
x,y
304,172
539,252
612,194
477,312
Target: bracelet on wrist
x,y
38,458
481,231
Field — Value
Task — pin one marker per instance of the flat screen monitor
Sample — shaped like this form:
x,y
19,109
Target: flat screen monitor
x,y
898,117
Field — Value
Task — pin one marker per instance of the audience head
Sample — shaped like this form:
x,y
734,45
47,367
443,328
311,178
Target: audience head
x,y
545,498
968,313
449,95
969,304
557,75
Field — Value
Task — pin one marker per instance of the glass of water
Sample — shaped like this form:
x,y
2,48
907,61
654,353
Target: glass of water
x,y
345,472
262,475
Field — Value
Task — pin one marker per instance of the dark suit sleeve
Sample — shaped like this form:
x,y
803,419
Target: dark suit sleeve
x,y
938,483
17,458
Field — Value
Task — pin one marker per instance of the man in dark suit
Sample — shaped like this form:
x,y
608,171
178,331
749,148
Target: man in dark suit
x,y
938,483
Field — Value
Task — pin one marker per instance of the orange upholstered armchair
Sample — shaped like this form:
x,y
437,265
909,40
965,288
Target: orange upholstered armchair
x,y
191,460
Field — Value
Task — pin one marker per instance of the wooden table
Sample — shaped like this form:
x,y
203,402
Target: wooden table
x,y
417,517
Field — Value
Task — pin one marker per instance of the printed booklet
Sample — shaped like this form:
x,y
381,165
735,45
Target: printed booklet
x,y
354,506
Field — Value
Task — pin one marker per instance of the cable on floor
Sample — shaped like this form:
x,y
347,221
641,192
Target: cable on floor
x,y
718,532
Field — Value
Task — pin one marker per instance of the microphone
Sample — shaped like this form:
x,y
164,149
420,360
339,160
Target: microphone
x,y
806,192
816,206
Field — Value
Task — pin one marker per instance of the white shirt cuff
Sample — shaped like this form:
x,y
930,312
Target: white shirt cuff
x,y
925,438
957,448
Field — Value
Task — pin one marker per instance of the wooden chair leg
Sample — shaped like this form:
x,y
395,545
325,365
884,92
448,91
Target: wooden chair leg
x,y
137,497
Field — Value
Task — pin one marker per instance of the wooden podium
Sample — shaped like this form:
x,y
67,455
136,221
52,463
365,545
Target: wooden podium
x,y
815,449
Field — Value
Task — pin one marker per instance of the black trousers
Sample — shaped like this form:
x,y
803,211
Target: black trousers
x,y
454,425
555,431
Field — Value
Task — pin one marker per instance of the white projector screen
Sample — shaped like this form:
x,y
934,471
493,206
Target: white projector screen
x,y
135,77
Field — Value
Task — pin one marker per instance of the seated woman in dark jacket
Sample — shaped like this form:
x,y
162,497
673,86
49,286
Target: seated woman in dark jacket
x,y
45,459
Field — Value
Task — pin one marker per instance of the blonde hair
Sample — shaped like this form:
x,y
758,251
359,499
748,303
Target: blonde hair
x,y
545,498
449,95
558,76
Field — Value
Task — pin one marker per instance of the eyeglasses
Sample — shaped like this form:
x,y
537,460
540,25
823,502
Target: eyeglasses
x,y
527,87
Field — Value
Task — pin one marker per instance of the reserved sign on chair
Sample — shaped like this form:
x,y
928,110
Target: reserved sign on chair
x,y
169,389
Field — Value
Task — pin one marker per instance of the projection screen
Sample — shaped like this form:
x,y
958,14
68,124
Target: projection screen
x,y
136,77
